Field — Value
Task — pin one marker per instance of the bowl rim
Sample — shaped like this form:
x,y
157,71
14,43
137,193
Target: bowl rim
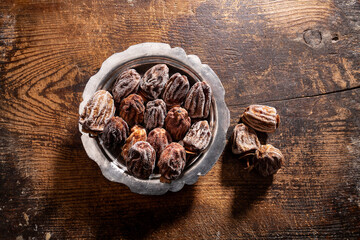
x,y
204,164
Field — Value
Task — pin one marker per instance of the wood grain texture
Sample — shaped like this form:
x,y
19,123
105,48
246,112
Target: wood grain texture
x,y
302,57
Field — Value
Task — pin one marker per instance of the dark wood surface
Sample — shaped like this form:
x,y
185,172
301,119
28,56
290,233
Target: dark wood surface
x,y
302,57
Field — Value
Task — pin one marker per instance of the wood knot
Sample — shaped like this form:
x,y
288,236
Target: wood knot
x,y
312,38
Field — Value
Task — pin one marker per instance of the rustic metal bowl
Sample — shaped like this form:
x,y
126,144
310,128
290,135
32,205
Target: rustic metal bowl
x,y
142,57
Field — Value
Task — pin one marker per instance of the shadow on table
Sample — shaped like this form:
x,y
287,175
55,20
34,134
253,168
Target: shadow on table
x,y
85,204
249,187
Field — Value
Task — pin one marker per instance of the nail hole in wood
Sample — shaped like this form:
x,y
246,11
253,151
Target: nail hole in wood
x,y
335,38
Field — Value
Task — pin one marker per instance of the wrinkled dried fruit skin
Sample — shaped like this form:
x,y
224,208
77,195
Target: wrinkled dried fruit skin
x,y
115,133
177,123
198,100
244,140
268,160
198,137
126,83
155,114
175,90
172,161
141,160
138,133
132,109
153,82
261,118
98,110
159,138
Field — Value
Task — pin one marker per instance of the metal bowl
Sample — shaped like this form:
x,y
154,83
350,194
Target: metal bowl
x,y
142,57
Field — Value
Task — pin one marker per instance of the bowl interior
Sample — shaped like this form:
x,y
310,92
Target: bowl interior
x,y
141,65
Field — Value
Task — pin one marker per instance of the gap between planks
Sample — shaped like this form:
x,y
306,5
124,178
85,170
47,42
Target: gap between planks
x,y
299,97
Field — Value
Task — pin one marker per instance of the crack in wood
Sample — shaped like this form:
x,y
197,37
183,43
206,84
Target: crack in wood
x,y
298,97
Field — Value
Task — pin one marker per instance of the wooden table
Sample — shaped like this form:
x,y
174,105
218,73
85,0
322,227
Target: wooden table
x,y
302,57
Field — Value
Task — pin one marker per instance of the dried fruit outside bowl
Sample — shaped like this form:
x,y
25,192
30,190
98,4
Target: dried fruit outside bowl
x,y
141,57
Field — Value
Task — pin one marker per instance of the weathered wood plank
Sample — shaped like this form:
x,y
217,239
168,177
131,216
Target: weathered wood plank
x,y
301,57
258,42
314,195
